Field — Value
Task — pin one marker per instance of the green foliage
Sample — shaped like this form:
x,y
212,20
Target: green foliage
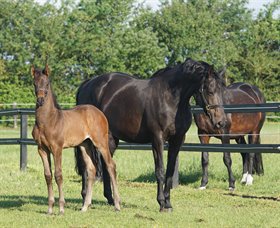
x,y
81,39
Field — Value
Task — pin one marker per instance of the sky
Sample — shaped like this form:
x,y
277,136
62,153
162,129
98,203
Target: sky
x,y
256,5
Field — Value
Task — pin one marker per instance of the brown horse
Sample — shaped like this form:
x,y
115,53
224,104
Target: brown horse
x,y
237,126
56,129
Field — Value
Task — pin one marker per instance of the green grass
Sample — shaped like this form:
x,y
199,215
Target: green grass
x,y
23,195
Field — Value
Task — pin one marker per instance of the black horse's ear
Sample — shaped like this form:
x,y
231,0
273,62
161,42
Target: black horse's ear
x,y
211,71
188,65
32,70
46,71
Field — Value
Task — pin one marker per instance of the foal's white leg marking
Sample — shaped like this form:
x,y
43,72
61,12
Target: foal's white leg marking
x,y
244,178
249,179
90,173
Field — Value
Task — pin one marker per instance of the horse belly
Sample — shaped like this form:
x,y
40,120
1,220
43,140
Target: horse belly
x,y
244,123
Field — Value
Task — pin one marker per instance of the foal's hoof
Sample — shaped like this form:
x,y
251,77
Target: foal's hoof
x,y
168,210
49,212
84,209
117,209
231,189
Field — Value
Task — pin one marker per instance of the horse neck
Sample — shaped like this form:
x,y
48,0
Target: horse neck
x,y
182,87
47,112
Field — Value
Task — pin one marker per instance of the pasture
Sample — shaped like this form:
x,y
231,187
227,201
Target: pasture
x,y
23,195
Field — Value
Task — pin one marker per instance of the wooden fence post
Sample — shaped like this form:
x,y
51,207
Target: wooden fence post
x,y
23,147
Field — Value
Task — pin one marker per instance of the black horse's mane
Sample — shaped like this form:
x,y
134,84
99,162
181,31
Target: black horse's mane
x,y
163,70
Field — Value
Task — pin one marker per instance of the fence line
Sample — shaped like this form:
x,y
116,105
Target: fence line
x,y
23,141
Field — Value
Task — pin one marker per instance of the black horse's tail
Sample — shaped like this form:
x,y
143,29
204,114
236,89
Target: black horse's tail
x,y
80,164
258,164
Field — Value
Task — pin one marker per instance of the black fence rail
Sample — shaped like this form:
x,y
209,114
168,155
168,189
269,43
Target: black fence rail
x,y
23,141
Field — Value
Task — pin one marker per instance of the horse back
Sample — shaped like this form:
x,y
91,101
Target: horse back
x,y
244,93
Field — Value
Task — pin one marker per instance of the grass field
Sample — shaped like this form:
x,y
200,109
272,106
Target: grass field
x,y
23,195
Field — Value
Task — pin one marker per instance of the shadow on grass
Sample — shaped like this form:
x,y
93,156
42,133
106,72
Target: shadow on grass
x,y
17,201
253,197
184,179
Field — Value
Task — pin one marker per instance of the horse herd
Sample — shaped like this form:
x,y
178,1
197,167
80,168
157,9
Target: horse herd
x,y
118,106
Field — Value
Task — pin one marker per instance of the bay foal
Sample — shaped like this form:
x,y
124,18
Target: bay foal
x,y
84,126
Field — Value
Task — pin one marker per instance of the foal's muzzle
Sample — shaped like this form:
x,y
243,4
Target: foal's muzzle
x,y
40,101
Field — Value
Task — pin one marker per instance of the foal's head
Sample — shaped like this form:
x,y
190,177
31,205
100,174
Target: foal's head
x,y
41,83
210,97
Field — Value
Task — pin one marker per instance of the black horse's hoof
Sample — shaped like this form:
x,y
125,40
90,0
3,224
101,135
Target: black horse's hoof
x,y
111,202
168,210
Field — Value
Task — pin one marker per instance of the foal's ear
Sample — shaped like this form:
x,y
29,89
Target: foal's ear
x,y
32,71
46,71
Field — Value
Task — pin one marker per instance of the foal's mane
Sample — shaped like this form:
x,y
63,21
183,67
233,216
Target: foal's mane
x,y
42,72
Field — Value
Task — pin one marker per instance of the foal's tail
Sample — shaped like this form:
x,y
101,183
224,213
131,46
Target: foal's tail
x,y
80,164
258,164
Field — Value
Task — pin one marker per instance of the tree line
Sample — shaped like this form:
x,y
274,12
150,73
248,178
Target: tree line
x,y
82,39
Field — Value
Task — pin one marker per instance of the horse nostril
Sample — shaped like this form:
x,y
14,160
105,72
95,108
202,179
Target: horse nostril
x,y
220,124
40,101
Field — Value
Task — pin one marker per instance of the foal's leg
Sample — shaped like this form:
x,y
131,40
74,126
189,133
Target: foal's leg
x,y
173,150
57,156
245,158
103,147
228,162
204,162
159,169
45,156
91,171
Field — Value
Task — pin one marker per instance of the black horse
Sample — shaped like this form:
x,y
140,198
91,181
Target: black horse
x,y
237,126
154,111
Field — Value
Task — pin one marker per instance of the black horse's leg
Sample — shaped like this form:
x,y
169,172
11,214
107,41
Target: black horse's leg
x,y
245,160
80,165
157,145
204,162
173,150
228,162
107,191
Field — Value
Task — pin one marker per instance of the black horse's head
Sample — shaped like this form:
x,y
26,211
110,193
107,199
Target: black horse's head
x,y
210,94
41,84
